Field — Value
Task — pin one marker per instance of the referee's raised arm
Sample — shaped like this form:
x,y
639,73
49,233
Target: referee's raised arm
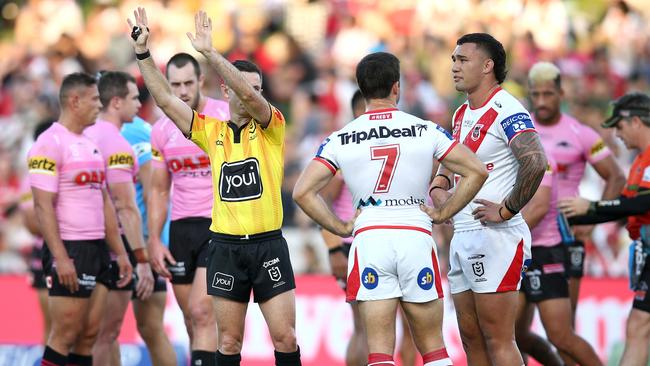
x,y
251,98
179,112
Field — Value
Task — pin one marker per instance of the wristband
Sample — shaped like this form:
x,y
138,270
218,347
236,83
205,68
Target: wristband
x,y
501,216
513,212
141,255
338,248
434,187
446,177
143,56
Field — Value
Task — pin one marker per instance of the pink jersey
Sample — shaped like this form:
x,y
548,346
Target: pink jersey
x,y
119,157
343,208
71,166
488,131
572,145
547,232
188,165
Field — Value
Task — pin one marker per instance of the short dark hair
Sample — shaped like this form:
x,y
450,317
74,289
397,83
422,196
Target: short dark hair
x,y
357,98
73,81
492,47
42,127
180,60
113,84
247,66
376,74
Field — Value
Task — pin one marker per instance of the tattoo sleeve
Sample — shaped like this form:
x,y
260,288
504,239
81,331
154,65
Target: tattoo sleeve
x,y
530,154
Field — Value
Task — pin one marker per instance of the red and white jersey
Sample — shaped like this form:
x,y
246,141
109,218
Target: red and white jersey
x,y
488,131
386,158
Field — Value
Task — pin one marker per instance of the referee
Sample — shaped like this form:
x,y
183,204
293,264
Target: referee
x,y
247,251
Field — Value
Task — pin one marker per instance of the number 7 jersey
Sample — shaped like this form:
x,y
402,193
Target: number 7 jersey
x,y
386,158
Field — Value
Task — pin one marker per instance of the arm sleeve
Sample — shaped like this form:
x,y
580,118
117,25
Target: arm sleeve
x,y
593,146
121,167
275,130
43,164
198,131
625,206
157,143
444,142
517,122
326,153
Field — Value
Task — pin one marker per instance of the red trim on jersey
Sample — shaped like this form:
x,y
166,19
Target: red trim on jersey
x,y
326,163
397,227
436,274
486,121
382,110
47,363
458,120
512,277
436,355
354,281
453,144
487,100
520,132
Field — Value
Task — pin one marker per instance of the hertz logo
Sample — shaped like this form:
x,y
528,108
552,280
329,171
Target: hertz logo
x,y
597,147
42,165
156,154
120,161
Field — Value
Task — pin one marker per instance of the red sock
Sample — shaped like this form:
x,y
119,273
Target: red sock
x,y
436,355
380,359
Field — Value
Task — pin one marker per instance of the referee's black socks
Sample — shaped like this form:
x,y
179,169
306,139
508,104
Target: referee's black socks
x,y
53,358
287,358
203,358
228,360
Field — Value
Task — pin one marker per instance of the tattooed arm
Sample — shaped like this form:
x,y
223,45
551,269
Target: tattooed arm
x,y
532,163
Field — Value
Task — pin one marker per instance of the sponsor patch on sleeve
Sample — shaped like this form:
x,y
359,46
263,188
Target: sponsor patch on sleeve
x,y
41,165
120,161
445,132
597,147
141,148
155,153
516,124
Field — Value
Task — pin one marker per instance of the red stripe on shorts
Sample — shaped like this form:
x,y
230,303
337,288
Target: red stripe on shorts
x,y
354,281
399,227
512,277
436,273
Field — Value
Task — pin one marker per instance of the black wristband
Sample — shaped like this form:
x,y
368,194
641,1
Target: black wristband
x,y
513,212
434,187
143,56
501,216
446,177
338,248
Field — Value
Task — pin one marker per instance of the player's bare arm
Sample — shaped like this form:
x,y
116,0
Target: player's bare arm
x,y
173,107
156,215
441,183
252,99
614,178
305,193
538,206
131,222
528,150
460,160
46,213
114,241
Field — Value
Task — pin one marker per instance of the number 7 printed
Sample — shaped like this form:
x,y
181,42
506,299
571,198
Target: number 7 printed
x,y
389,155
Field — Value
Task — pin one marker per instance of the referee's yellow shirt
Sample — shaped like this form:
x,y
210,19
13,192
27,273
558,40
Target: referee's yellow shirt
x,y
247,170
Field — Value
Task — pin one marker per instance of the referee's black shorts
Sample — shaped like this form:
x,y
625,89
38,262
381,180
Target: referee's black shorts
x,y
188,244
91,261
239,264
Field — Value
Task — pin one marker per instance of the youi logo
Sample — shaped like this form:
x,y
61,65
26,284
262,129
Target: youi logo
x,y
425,278
369,278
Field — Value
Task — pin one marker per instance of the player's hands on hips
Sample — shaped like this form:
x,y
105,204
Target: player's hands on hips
x,y
348,227
126,271
339,265
488,212
67,274
158,253
576,206
434,213
144,286
202,39
141,33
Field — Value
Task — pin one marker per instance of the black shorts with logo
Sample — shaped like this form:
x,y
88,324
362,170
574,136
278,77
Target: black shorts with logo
x,y
188,244
114,274
546,277
239,264
36,268
575,259
91,261
641,292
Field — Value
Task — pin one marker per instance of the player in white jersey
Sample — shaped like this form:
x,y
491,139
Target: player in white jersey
x,y
386,158
491,241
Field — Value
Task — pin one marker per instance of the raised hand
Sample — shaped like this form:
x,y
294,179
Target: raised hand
x,y
202,39
139,30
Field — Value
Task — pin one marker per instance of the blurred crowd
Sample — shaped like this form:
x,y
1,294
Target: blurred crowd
x,y
307,51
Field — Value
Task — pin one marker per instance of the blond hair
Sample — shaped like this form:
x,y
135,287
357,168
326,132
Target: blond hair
x,y
544,71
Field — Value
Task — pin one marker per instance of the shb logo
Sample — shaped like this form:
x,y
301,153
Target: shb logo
x,y
478,269
370,278
425,278
223,281
240,181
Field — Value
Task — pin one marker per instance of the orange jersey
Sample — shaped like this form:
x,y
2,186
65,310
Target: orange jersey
x,y
638,180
